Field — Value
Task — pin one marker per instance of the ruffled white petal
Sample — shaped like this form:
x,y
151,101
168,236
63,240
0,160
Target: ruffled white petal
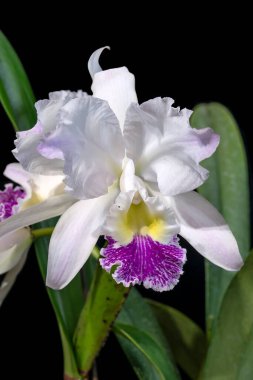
x,y
10,277
12,248
27,141
74,237
165,149
206,230
117,86
92,144
50,208
93,65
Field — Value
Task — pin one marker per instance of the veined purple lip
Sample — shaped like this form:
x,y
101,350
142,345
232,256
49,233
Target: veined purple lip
x,y
158,266
9,198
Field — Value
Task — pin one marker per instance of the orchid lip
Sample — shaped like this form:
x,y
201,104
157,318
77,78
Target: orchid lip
x,y
9,200
158,266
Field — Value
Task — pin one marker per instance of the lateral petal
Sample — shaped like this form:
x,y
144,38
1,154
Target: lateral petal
x,y
50,208
206,230
74,237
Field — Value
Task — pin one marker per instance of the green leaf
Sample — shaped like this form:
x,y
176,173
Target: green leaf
x,y
137,313
227,189
15,91
186,339
103,303
231,349
150,349
67,304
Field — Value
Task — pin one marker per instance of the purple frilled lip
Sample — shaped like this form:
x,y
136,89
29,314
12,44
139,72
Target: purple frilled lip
x,y
158,266
9,198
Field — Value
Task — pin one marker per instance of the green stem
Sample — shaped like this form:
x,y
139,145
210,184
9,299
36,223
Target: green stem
x,y
40,232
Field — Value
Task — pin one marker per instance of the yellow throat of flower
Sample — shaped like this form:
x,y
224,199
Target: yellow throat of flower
x,y
138,220
35,199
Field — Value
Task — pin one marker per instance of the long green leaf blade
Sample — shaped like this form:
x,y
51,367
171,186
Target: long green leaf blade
x,y
102,305
137,313
16,94
186,339
152,351
231,349
227,189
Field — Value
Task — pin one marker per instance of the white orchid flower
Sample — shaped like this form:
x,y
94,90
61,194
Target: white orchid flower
x,y
33,189
133,169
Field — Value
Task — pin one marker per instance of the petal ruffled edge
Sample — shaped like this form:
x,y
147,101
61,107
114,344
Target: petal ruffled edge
x,y
165,149
92,144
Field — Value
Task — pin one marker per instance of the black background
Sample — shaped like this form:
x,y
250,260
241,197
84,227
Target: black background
x,y
193,55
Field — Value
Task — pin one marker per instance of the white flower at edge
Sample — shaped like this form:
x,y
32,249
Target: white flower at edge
x,y
14,246
132,170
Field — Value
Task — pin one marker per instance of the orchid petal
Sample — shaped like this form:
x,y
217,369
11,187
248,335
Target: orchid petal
x,y
93,65
45,186
41,185
10,277
50,208
74,237
92,145
27,141
16,173
206,230
12,248
117,87
165,149
174,175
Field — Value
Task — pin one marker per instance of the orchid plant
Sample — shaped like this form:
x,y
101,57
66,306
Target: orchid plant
x,y
111,167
